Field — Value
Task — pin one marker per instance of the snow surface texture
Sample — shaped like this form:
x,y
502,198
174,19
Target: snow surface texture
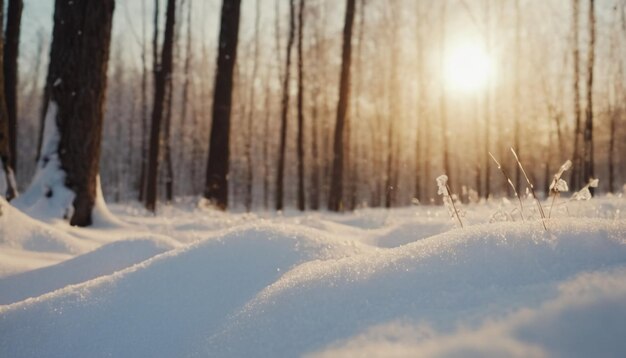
x,y
400,282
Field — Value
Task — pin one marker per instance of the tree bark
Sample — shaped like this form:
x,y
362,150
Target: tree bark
x,y
517,92
284,112
76,83
336,185
216,185
588,169
251,111
11,53
144,108
162,76
300,100
442,96
575,180
6,155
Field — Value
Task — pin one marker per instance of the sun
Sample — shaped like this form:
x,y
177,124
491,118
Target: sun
x,y
467,67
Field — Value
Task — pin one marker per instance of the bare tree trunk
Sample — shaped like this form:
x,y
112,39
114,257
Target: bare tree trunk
x,y
442,98
167,141
5,131
588,169
76,83
300,149
266,145
356,158
517,92
144,107
488,104
336,184
280,175
421,114
216,188
162,76
184,132
250,131
11,53
575,180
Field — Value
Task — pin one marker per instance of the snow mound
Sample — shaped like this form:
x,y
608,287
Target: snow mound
x,y
458,277
586,319
19,231
102,261
279,288
166,306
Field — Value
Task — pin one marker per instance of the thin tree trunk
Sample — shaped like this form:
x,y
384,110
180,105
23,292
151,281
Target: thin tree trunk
x,y
284,112
300,100
250,131
167,141
421,114
144,107
442,97
588,163
184,132
487,105
336,184
162,76
266,145
517,92
575,180
216,187
5,137
11,53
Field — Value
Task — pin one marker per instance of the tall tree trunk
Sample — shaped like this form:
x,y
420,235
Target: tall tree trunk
x,y
442,97
11,52
76,86
184,132
300,100
250,131
144,107
162,76
336,184
517,92
588,169
6,155
280,175
487,104
167,142
216,187
266,144
575,180
421,114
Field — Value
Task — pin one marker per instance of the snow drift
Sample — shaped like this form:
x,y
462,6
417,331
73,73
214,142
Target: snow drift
x,y
283,290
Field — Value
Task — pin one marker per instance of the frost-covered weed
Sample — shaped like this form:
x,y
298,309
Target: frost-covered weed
x,y
521,206
584,193
444,190
531,187
559,185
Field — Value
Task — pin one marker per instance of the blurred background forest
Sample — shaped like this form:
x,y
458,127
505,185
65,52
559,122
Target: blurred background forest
x,y
411,116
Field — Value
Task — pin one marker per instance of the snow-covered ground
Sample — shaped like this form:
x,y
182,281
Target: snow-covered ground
x,y
400,282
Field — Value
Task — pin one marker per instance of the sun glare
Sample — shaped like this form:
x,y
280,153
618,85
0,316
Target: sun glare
x,y
467,68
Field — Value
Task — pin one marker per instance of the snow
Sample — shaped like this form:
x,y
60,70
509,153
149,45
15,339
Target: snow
x,y
400,282
47,198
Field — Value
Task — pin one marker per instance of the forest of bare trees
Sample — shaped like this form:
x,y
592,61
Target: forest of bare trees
x,y
318,104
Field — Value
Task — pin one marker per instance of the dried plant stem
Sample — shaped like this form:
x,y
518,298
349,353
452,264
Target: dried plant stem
x,y
552,204
456,212
521,206
532,190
